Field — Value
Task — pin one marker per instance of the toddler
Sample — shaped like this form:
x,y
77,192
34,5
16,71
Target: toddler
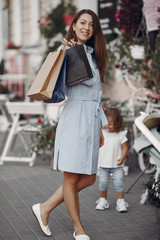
x,y
111,157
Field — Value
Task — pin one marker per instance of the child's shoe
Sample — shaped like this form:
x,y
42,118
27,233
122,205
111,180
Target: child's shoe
x,y
102,204
121,205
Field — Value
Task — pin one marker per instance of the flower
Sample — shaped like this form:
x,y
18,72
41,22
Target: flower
x,y
152,94
149,63
50,133
28,115
117,66
117,15
154,191
45,137
104,106
123,30
39,120
11,45
44,21
47,19
4,89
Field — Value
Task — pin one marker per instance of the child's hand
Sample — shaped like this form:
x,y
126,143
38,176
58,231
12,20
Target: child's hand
x,y
101,139
119,162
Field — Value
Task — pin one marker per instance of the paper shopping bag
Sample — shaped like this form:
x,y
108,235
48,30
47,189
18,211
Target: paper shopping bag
x,y
78,68
45,81
59,92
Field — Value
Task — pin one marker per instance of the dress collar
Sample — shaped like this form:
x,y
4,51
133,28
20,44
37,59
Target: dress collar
x,y
88,48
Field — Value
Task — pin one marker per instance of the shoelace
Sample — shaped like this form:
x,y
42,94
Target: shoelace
x,y
105,203
126,204
123,204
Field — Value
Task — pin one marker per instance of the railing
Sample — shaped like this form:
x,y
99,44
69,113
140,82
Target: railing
x,y
17,83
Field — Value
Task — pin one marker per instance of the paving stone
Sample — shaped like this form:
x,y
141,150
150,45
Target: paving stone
x,y
21,186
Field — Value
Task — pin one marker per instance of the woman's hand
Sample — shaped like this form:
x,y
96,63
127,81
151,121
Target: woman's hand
x,y
70,43
101,139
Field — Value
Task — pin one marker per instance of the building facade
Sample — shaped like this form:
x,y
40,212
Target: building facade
x,y
22,46
19,21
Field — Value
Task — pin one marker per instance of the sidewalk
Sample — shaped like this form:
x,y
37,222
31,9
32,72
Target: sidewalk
x,y
21,186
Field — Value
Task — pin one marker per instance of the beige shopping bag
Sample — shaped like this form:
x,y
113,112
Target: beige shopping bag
x,y
45,81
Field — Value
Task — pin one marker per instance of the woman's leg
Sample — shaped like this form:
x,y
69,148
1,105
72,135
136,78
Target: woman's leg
x,y
57,198
71,199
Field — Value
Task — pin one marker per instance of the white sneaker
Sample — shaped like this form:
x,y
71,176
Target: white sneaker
x,y
102,204
121,205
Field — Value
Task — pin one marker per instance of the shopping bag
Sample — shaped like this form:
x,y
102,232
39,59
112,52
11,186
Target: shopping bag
x,y
60,87
45,81
77,66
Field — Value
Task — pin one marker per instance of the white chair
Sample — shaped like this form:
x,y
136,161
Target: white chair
x,y
139,121
15,109
144,127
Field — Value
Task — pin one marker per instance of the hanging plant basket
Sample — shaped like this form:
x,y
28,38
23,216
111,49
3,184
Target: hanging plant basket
x,y
68,19
137,52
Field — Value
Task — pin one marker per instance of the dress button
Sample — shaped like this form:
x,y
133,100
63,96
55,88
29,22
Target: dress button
x,y
93,95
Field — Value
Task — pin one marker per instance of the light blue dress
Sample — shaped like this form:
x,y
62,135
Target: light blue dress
x,y
77,134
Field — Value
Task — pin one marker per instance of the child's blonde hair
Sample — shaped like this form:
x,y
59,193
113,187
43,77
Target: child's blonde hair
x,y
116,116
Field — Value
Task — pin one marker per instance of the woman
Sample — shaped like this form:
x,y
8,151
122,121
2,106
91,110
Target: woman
x,y
77,137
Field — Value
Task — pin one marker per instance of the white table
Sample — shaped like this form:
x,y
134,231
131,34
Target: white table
x,y
15,109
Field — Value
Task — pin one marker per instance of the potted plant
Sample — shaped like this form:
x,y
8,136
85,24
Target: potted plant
x,y
137,51
153,186
53,25
129,47
2,67
131,50
45,137
151,65
70,10
4,91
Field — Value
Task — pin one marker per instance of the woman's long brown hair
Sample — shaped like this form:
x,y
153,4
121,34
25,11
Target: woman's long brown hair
x,y
97,41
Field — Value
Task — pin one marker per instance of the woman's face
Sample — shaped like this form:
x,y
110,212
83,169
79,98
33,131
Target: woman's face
x,y
84,28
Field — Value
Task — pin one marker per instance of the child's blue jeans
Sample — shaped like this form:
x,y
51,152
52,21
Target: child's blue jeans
x,y
117,176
